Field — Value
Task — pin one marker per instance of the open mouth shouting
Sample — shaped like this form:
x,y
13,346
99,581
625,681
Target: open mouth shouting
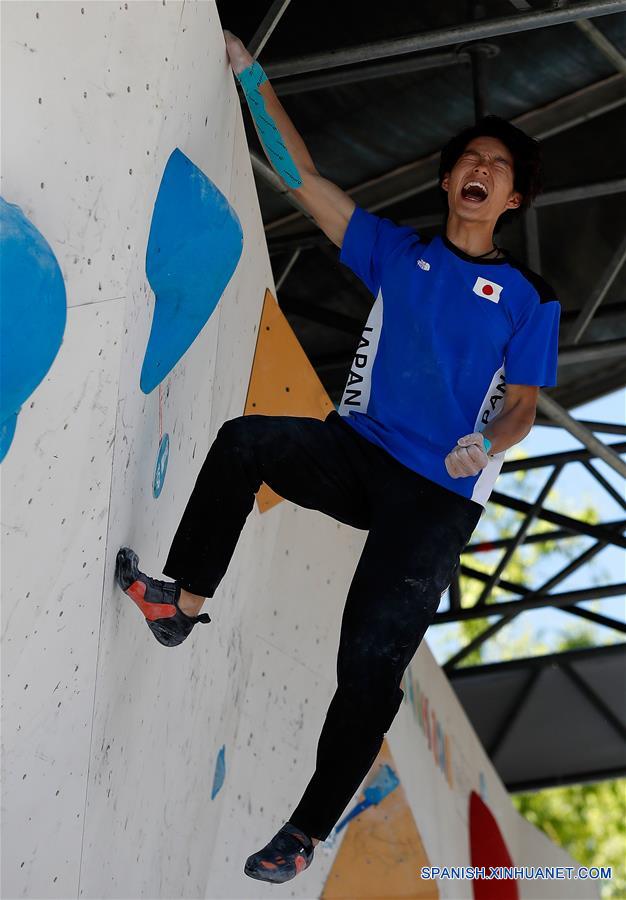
x,y
474,192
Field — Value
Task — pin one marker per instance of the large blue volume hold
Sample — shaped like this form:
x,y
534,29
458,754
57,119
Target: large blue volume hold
x,y
33,311
194,246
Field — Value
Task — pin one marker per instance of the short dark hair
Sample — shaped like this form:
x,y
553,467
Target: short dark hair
x,y
525,150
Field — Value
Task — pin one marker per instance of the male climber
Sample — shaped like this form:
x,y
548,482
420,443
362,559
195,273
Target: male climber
x,y
445,379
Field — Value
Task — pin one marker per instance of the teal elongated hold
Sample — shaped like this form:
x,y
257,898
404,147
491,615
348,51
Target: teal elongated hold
x,y
250,80
487,443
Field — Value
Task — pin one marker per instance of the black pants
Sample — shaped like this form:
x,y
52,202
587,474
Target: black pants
x,y
417,529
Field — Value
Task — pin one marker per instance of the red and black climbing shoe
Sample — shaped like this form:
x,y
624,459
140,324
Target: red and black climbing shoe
x,y
288,853
158,600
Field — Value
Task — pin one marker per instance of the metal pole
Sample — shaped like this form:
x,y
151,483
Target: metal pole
x,y
285,272
602,350
536,462
476,11
537,602
285,87
455,592
607,427
608,487
595,617
267,174
269,22
600,532
531,239
575,564
594,698
582,192
586,314
502,543
555,411
494,578
603,44
444,37
513,712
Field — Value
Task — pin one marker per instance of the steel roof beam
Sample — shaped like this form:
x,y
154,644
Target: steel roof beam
x,y
547,660
581,192
603,44
444,37
300,84
601,350
538,784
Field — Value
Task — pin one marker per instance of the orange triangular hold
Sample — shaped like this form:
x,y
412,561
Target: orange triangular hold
x,y
282,382
381,853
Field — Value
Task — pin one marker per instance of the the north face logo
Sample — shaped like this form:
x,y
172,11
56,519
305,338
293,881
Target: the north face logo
x,y
488,289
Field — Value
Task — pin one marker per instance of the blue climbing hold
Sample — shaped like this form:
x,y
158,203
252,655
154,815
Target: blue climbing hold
x,y
33,312
160,468
220,772
383,784
194,246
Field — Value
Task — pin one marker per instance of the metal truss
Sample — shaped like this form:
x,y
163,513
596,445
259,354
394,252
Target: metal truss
x,y
604,534
445,37
569,664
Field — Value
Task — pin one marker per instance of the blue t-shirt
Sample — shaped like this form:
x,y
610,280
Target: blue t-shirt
x,y
445,335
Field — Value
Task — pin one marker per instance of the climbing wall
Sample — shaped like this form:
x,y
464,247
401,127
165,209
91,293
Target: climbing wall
x,y
135,284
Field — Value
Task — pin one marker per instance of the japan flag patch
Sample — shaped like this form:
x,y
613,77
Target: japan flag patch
x,y
488,289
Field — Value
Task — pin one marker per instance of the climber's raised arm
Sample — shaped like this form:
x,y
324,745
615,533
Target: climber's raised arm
x,y
330,207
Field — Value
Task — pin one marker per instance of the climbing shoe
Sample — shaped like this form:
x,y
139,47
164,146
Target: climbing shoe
x,y
288,853
158,600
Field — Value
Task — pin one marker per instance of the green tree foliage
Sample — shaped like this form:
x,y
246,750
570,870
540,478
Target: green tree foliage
x,y
588,821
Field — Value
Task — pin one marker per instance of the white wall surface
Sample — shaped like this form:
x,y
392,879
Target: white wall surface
x,y
109,739
442,811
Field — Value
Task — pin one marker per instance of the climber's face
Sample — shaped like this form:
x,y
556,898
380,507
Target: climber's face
x,y
480,185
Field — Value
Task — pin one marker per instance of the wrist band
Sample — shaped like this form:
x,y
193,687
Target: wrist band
x,y
487,443
279,156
